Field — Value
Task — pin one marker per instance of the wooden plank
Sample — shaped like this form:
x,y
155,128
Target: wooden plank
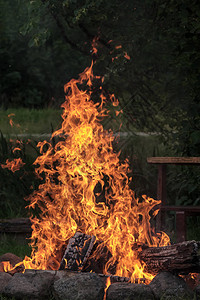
x,y
20,225
16,220
187,209
161,184
161,195
180,226
174,160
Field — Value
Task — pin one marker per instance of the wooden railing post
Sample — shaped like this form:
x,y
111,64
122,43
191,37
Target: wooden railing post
x,y
180,226
161,195
181,211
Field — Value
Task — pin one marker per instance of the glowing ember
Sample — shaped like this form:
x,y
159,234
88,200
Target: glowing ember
x,y
86,189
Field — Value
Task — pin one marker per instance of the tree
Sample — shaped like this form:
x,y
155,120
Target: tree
x,y
158,87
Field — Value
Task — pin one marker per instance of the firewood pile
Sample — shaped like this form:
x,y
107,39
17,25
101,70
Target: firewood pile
x,y
180,258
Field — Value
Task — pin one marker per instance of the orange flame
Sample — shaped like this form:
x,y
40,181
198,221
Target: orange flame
x,y
86,189
7,266
13,165
12,124
127,56
118,112
17,149
11,120
94,45
113,58
108,283
17,145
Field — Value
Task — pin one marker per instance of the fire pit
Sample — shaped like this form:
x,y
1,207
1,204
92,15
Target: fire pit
x,y
71,285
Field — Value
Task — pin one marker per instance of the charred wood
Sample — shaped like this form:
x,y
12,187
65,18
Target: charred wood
x,y
99,257
180,258
77,252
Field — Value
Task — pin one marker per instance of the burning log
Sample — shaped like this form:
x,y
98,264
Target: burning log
x,y
77,252
182,258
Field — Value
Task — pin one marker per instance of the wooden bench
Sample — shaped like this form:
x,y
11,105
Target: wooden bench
x,y
181,211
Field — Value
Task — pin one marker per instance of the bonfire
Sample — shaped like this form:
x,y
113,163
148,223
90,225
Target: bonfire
x,y
86,189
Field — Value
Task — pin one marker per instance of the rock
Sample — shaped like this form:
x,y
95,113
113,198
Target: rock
x,y
12,258
167,286
33,284
65,274
82,286
1,267
4,279
129,291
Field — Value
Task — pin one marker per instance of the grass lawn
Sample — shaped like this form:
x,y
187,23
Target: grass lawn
x,y
30,121
17,245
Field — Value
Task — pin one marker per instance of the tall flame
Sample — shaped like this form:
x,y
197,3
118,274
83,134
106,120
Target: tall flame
x,y
86,189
